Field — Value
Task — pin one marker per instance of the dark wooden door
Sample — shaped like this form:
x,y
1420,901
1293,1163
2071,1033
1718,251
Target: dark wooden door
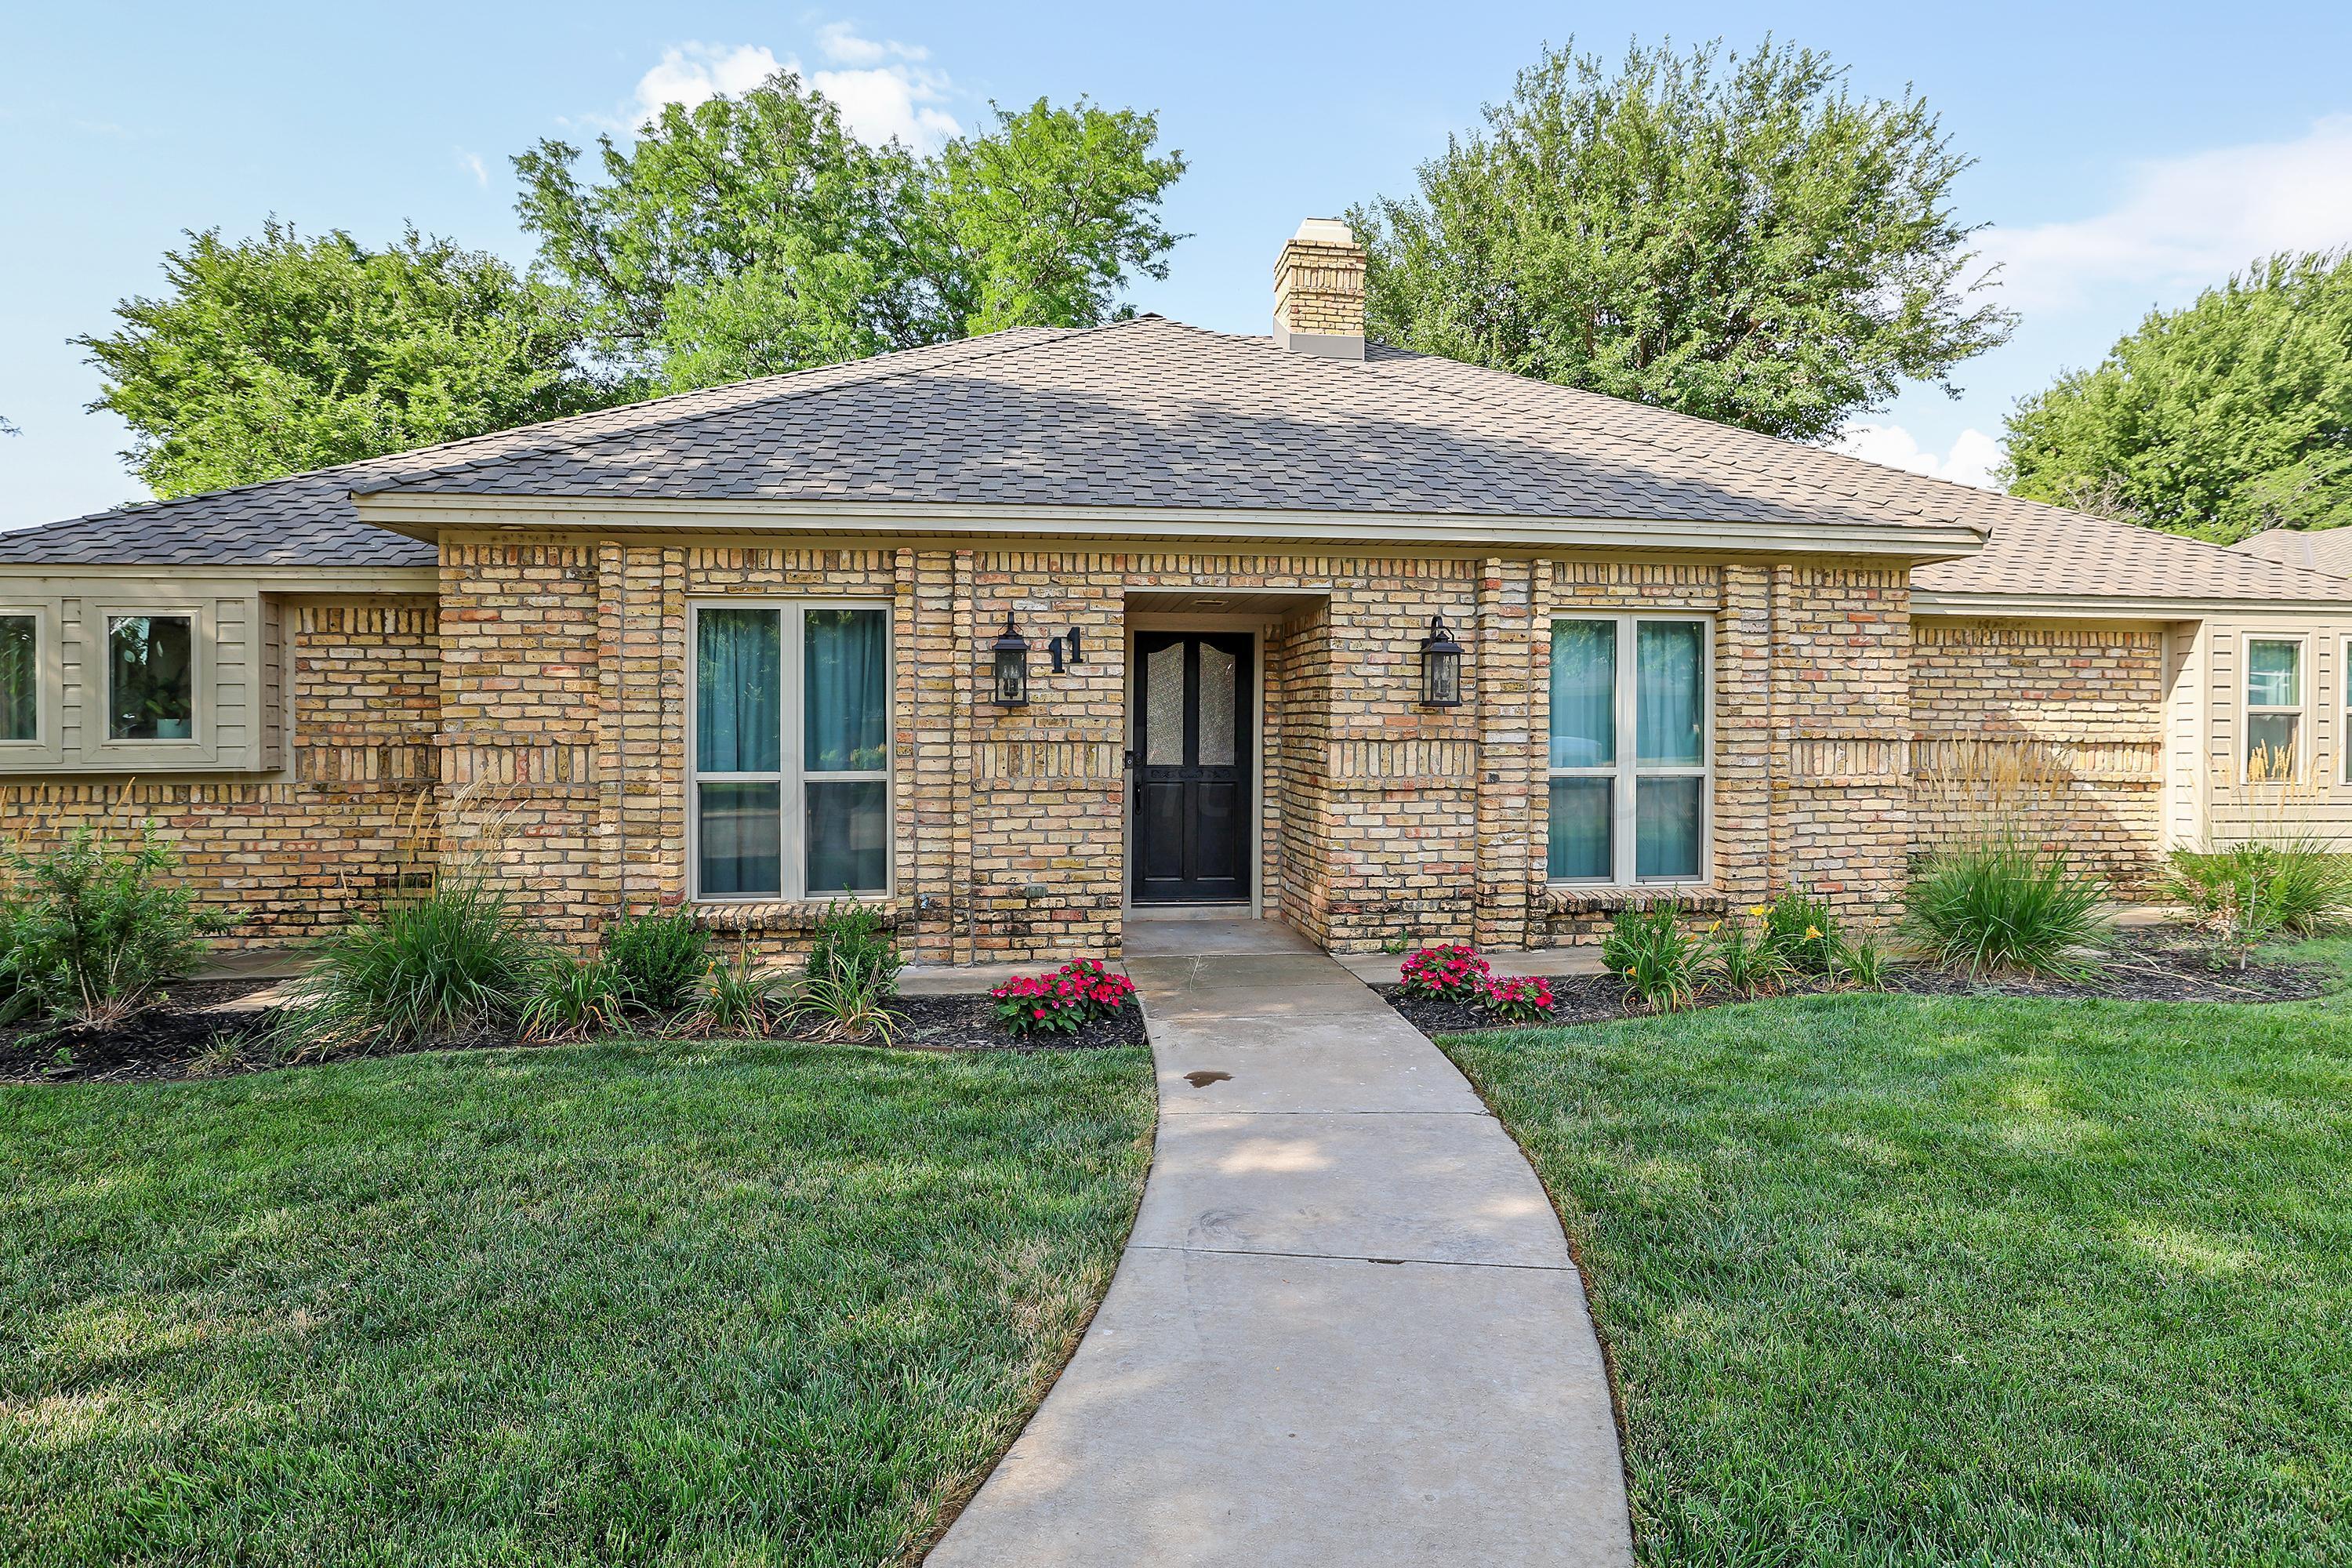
x,y
1194,692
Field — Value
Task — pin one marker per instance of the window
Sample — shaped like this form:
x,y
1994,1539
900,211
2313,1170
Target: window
x,y
2344,728
2273,710
792,750
150,678
20,717
1643,806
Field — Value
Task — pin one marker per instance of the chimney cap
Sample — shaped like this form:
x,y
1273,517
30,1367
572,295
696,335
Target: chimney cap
x,y
1326,231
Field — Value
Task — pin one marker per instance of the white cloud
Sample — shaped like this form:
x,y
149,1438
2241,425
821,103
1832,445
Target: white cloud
x,y
1972,460
2185,223
880,88
472,164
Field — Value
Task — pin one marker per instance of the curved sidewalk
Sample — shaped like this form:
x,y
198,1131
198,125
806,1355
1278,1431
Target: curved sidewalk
x,y
1346,1329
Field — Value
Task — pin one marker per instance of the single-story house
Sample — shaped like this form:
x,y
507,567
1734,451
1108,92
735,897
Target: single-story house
x,y
1018,634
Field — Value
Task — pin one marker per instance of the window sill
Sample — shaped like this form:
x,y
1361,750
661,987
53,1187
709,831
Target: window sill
x,y
1695,898
790,914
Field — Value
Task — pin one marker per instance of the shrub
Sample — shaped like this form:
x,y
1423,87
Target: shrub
x,y
2284,881
1800,929
576,998
1659,962
659,959
451,962
1062,1003
736,999
1450,972
1519,998
2004,906
1747,962
1861,961
852,945
90,932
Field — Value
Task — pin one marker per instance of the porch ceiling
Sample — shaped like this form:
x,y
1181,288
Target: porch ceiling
x,y
1217,602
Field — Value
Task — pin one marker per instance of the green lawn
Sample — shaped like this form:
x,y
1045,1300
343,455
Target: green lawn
x,y
724,1303
1905,1280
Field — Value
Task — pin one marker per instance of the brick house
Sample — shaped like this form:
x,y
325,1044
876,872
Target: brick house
x,y
759,646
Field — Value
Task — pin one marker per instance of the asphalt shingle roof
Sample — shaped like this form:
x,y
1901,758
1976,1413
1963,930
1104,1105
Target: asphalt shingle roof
x,y
1151,413
2327,549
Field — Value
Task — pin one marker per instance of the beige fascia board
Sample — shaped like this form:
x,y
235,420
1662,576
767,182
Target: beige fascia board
x,y
270,579
422,516
2117,606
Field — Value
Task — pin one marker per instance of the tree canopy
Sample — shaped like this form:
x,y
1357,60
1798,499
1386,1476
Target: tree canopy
x,y
2221,419
286,353
1735,237
753,235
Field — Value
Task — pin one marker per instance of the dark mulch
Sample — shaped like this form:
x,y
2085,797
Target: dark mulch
x,y
2146,964
183,1039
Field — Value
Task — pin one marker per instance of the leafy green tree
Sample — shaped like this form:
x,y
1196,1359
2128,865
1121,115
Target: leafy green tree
x,y
283,353
2227,417
1735,237
753,235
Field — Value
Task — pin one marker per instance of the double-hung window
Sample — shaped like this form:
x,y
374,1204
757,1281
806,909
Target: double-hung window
x,y
2344,697
2273,710
1632,751
792,750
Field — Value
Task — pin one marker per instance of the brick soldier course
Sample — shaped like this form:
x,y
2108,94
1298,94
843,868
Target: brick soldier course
x,y
484,647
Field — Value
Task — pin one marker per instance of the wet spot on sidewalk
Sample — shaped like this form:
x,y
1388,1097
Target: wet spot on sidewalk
x,y
1203,1078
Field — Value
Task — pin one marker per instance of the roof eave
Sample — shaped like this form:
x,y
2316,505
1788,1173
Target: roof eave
x,y
424,514
277,578
2119,606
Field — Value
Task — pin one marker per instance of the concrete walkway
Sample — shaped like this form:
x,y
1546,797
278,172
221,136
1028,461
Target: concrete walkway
x,y
1345,1330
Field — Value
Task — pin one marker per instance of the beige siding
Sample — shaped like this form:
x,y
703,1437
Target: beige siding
x,y
2319,799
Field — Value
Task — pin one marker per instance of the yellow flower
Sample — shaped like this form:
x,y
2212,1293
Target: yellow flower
x,y
1756,909
1812,933
1715,928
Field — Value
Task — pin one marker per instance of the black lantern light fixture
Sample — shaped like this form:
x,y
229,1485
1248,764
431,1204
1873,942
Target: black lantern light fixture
x,y
1441,667
1012,652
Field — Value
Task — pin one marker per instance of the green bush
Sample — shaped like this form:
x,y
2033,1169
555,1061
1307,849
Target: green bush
x,y
1863,962
453,962
1657,960
1747,962
660,959
2290,882
576,998
2005,906
852,948
1802,929
736,999
90,932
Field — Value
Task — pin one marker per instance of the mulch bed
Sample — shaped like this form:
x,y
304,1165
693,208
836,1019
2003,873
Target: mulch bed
x,y
2146,964
181,1039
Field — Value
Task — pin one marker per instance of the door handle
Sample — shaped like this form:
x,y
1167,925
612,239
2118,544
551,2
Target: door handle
x,y
1126,758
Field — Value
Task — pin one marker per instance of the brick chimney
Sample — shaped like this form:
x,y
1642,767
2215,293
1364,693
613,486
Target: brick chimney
x,y
1318,292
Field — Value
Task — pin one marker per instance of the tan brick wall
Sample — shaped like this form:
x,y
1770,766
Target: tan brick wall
x,y
1318,287
2054,727
292,854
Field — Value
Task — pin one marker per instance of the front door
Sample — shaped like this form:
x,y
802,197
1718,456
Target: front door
x,y
1193,823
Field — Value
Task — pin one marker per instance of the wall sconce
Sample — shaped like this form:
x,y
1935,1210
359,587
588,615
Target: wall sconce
x,y
1012,652
1057,648
1441,667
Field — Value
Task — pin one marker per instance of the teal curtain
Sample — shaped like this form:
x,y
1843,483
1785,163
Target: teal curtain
x,y
1670,693
739,830
1583,694
19,681
1578,841
1667,827
737,692
845,687
848,837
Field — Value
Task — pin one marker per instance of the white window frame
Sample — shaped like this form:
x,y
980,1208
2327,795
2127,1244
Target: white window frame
x,y
2344,710
2248,710
47,688
790,778
198,739
1627,770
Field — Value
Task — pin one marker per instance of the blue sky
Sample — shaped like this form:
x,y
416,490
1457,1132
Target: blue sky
x,y
2127,154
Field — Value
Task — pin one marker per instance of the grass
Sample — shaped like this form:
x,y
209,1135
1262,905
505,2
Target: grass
x,y
665,1303
1892,1280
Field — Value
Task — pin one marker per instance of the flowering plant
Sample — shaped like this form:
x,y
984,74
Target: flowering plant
x,y
1060,1003
1452,973
1518,998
